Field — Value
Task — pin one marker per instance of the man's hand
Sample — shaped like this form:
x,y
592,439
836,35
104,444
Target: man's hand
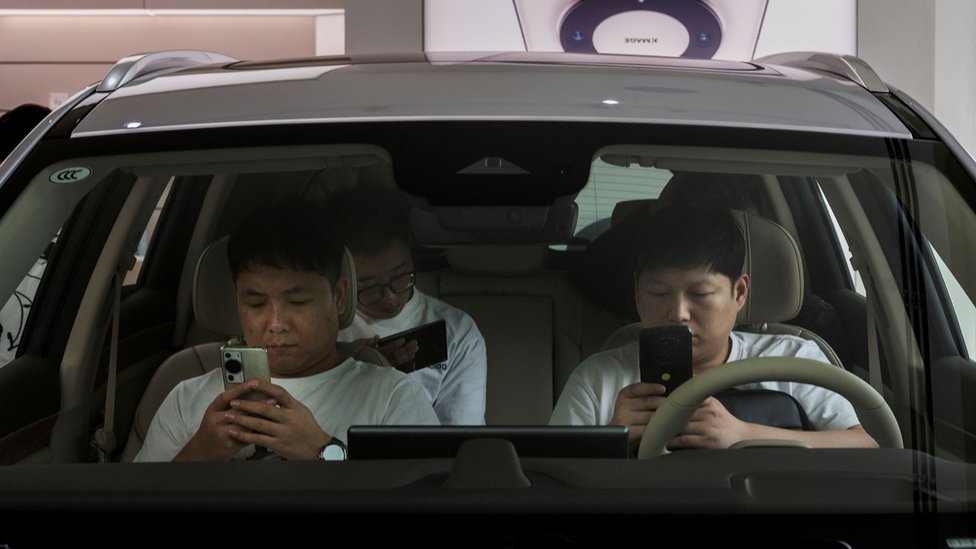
x,y
398,352
282,424
634,407
711,426
213,440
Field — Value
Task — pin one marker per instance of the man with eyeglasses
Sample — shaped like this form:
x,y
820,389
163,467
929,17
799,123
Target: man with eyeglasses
x,y
374,224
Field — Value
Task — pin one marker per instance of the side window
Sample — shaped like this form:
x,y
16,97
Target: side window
x,y
14,313
855,276
143,248
963,306
17,308
609,185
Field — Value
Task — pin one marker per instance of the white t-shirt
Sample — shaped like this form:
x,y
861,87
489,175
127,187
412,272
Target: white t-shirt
x,y
456,387
352,393
591,391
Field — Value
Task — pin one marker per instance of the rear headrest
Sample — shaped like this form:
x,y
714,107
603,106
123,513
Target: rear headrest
x,y
214,300
497,259
733,191
625,208
772,260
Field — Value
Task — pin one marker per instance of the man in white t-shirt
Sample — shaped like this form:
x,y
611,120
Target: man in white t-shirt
x,y
688,271
375,226
289,297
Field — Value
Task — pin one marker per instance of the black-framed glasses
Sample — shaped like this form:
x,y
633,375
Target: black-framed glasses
x,y
398,285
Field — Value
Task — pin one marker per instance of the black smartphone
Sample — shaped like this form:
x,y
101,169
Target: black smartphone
x,y
665,355
240,363
431,345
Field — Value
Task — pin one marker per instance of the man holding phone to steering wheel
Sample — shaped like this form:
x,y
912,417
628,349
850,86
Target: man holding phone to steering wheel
x,y
688,272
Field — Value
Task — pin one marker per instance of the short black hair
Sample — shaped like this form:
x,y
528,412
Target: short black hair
x,y
292,234
370,219
688,236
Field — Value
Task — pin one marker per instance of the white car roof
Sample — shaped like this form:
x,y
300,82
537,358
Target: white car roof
x,y
538,87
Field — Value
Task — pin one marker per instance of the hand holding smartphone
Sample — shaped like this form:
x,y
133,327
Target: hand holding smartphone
x,y
431,341
665,356
240,363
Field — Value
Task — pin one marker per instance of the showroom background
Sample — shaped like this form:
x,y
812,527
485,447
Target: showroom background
x,y
50,49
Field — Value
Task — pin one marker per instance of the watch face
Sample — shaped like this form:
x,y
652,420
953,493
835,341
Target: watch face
x,y
333,452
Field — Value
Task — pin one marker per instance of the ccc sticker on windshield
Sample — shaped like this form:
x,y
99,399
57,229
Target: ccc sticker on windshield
x,y
69,175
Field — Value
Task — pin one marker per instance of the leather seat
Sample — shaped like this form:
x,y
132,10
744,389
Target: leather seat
x,y
215,309
530,317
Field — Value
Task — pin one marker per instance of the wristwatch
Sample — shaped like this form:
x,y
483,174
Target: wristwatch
x,y
335,450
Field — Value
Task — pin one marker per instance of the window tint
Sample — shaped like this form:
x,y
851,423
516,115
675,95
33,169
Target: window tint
x,y
608,185
14,313
964,308
143,248
855,276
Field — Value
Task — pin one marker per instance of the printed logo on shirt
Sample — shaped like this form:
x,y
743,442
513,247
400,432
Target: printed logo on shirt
x,y
442,366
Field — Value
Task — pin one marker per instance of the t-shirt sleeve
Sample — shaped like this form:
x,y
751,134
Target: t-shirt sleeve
x,y
826,409
577,403
809,349
461,399
168,432
409,405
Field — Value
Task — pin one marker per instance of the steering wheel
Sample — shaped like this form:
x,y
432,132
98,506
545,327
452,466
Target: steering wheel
x,y
872,410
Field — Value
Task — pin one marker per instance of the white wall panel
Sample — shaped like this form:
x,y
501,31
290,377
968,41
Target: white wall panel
x,y
955,69
927,49
809,25
171,4
40,55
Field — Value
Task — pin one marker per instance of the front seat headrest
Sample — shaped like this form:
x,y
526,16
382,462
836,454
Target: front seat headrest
x,y
214,299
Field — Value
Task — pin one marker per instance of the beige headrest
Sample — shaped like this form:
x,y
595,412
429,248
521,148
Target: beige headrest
x,y
774,265
214,300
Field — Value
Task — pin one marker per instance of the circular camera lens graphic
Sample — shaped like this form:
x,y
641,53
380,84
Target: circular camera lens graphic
x,y
668,28
233,366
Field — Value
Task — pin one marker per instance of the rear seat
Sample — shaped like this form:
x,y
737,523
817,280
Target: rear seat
x,y
537,326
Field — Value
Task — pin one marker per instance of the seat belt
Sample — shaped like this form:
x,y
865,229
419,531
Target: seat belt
x,y
874,358
104,439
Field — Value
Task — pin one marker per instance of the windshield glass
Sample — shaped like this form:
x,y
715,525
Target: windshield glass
x,y
517,301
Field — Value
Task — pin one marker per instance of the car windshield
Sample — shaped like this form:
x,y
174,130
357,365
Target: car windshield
x,y
859,244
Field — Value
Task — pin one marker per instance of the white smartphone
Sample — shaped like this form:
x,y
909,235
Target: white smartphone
x,y
240,363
